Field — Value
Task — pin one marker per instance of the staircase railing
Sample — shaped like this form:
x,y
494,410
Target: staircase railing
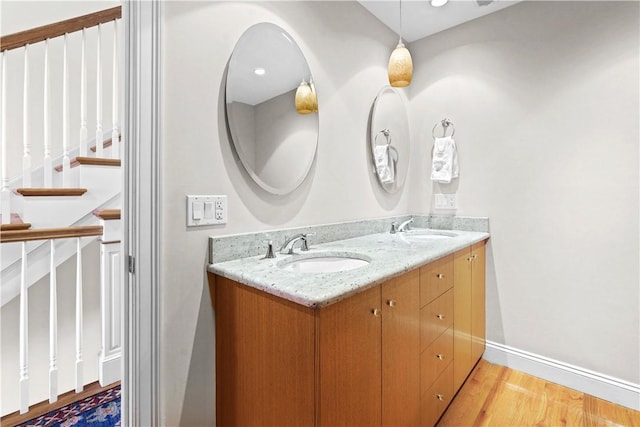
x,y
18,47
38,174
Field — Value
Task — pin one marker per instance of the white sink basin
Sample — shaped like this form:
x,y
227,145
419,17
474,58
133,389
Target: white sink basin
x,y
324,263
428,234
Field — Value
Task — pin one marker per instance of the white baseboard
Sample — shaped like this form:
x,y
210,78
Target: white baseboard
x,y
596,384
109,370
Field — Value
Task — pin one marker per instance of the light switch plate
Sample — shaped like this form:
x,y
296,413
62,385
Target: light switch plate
x,y
206,210
445,201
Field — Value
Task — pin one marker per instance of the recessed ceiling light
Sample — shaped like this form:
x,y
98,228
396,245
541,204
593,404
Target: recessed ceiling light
x,y
438,3
259,71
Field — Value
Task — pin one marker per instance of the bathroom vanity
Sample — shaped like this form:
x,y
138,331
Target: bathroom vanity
x,y
388,344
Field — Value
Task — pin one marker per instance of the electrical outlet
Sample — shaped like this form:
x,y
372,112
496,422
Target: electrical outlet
x,y
206,210
445,201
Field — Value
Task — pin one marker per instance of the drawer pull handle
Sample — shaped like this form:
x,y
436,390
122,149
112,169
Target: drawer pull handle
x,y
375,312
439,397
475,256
440,276
440,356
391,303
440,316
470,259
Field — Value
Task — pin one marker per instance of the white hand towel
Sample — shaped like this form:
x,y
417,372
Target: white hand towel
x,y
445,160
384,164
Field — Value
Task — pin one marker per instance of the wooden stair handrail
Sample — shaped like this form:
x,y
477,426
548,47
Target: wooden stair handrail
x,y
57,29
11,236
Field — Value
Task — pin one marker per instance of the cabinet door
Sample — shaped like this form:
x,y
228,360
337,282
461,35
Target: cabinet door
x,y
265,358
401,351
350,361
478,321
461,317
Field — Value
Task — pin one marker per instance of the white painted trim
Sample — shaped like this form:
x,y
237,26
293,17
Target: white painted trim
x,y
142,129
594,383
111,313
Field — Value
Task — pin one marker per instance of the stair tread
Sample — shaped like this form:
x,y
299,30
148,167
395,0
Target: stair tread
x,y
108,214
96,161
9,236
30,192
15,223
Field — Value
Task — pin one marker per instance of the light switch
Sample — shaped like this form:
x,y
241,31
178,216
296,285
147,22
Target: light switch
x,y
208,210
197,212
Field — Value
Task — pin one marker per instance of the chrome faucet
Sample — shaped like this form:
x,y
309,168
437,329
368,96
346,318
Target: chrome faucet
x,y
289,244
405,225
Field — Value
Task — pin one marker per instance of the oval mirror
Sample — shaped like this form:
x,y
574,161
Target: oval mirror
x,y
390,144
271,108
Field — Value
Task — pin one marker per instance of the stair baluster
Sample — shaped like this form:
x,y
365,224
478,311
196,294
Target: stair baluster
x,y
47,168
115,134
83,97
5,195
79,361
53,326
26,158
99,132
24,334
66,161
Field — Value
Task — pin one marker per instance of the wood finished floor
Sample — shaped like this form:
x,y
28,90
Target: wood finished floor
x,y
498,396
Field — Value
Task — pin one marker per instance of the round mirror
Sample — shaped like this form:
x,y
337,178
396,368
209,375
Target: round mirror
x,y
390,145
271,107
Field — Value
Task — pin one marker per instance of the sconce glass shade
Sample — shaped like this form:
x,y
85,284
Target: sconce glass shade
x,y
400,66
305,99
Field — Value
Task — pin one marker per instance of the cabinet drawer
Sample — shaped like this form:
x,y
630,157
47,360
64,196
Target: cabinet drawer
x,y
436,399
435,359
435,318
435,279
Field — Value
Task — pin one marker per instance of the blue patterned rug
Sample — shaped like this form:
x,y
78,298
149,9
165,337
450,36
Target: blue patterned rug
x,y
99,410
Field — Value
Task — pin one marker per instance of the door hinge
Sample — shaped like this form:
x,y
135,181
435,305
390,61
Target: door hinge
x,y
132,264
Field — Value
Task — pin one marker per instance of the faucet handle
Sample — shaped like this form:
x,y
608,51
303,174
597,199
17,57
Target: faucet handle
x,y
270,253
394,227
305,242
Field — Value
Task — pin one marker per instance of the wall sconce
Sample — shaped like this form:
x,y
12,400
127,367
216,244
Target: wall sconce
x,y
400,62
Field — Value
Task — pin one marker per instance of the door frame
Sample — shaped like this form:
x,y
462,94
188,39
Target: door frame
x,y
143,21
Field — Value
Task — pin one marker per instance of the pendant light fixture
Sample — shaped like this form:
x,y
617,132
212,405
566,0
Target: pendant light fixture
x,y
400,63
305,99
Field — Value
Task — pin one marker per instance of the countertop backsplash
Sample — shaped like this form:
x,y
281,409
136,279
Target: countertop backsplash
x,y
227,248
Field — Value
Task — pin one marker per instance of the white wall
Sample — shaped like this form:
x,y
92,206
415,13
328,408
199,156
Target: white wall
x,y
347,50
545,99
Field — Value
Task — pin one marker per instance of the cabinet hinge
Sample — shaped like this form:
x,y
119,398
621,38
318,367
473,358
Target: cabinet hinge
x,y
132,264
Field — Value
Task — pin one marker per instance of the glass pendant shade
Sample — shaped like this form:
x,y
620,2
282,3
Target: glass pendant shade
x,y
400,66
305,99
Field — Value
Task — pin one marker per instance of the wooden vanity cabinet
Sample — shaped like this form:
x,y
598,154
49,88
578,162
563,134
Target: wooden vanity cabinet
x,y
392,355
469,315
265,358
369,357
436,321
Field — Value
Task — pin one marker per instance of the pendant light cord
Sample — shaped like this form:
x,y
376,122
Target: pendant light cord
x,y
400,42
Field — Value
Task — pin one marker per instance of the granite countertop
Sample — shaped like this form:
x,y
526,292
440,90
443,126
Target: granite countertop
x,y
389,255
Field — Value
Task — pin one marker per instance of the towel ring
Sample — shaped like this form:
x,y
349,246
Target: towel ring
x,y
386,133
445,123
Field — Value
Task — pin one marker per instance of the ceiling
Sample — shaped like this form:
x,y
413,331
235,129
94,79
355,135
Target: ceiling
x,y
420,19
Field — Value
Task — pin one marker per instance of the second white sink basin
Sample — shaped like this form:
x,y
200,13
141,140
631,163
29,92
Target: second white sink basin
x,y
324,263
428,234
